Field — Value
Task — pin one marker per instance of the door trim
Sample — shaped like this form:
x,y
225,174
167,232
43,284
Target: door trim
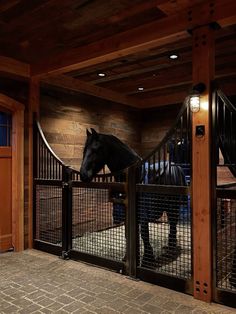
x,y
17,111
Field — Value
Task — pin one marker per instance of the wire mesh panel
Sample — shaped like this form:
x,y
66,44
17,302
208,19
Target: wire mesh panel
x,y
165,233
95,231
226,244
48,214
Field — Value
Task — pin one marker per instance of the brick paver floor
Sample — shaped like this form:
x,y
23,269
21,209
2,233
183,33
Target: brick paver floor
x,y
36,282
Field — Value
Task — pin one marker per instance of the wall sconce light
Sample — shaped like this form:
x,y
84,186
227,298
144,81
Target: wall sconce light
x,y
194,98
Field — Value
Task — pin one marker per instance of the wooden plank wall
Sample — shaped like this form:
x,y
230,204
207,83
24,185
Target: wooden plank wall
x,y
64,119
155,124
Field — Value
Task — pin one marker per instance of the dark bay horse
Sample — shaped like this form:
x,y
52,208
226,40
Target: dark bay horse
x,y
102,149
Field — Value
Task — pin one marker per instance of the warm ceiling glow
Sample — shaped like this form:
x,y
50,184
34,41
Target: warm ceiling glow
x,y
101,74
173,56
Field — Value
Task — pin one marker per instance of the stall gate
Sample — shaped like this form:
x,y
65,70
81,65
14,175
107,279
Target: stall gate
x,y
101,222
108,221
224,209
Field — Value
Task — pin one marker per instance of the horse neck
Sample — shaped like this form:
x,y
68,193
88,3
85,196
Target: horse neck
x,y
119,156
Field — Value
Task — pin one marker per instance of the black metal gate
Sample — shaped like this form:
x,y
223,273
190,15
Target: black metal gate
x,y
102,222
224,210
164,197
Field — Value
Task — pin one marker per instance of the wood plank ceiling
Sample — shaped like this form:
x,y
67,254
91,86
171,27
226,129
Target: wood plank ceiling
x,y
41,31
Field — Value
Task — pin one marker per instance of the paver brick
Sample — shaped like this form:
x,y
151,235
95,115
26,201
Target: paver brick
x,y
36,282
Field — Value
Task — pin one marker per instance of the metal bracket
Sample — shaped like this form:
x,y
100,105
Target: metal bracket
x,y
65,255
65,184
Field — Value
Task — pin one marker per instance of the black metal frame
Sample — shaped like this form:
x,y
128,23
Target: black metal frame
x,y
227,191
69,178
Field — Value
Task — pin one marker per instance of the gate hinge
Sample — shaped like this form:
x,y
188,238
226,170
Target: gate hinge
x,y
65,255
66,184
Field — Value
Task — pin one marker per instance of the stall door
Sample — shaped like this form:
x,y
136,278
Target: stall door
x,y
5,183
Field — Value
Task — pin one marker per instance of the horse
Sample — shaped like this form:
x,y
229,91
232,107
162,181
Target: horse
x,y
105,149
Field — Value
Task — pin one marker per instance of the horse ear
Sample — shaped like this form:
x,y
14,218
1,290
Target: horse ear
x,y
94,132
88,133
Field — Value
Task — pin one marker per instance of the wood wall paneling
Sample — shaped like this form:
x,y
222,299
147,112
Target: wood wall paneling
x,y
33,112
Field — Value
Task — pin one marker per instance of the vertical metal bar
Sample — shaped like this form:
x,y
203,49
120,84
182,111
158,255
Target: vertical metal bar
x,y
169,161
57,169
154,167
35,174
187,138
217,126
131,223
50,166
231,146
43,160
149,173
66,211
159,166
214,162
164,164
224,119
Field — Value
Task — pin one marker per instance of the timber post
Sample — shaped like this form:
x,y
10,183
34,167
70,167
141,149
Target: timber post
x,y
33,110
203,72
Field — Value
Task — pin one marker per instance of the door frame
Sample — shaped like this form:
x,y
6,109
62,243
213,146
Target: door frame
x,y
17,111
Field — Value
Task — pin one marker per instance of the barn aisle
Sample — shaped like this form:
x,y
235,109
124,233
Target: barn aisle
x,y
36,282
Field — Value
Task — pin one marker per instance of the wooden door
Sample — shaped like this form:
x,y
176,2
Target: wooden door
x,y
5,183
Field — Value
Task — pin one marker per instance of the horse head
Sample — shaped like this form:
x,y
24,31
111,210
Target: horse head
x,y
94,156
105,149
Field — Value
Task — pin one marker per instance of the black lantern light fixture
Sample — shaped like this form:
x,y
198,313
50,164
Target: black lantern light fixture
x,y
194,98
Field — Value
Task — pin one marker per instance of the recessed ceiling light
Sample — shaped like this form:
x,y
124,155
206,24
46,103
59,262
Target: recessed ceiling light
x,y
101,74
173,56
140,88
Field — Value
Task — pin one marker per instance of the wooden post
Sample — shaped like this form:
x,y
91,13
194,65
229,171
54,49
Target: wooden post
x,y
34,98
18,180
203,71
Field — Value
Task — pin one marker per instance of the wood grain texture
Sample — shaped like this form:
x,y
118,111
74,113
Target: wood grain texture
x,y
6,199
64,119
33,110
17,178
203,53
14,67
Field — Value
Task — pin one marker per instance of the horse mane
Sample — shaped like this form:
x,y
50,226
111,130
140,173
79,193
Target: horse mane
x,y
123,157
123,145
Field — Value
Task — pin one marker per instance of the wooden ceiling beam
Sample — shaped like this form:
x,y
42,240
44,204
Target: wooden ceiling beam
x,y
227,86
162,100
14,67
144,37
225,72
174,76
159,63
75,85
121,65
